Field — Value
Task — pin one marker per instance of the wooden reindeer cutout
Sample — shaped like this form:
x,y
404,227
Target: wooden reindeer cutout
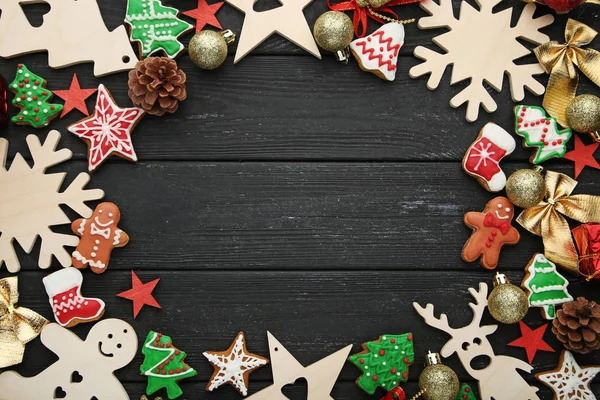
x,y
73,32
500,379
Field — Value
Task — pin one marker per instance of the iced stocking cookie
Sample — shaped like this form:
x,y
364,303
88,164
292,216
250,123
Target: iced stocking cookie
x,y
491,231
99,235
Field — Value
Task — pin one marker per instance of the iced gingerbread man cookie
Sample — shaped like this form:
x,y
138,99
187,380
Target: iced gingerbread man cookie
x,y
378,52
84,369
483,157
99,235
491,231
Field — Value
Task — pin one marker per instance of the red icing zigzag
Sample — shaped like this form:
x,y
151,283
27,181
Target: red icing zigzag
x,y
379,57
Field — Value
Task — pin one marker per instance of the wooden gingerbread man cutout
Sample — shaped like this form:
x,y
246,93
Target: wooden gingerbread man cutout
x,y
84,369
491,231
99,235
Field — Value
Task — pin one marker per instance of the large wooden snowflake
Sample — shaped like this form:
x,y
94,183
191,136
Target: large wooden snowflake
x,y
30,203
481,45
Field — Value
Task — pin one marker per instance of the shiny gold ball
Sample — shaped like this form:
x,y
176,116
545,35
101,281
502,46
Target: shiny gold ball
x,y
333,31
439,383
208,49
508,303
583,113
526,188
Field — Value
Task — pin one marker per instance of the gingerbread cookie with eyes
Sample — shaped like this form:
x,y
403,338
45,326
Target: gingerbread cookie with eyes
x,y
491,231
99,235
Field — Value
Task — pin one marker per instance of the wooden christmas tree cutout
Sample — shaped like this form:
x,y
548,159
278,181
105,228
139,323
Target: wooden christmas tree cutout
x,y
481,46
31,201
321,375
72,32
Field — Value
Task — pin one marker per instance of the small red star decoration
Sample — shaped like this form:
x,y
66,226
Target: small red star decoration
x,y
583,156
532,341
74,97
205,14
140,294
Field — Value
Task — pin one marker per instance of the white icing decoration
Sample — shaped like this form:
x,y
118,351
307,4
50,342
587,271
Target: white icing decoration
x,y
117,237
378,52
571,381
96,264
110,222
81,226
105,233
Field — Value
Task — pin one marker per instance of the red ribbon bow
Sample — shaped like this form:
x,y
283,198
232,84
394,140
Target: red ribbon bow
x,y
492,222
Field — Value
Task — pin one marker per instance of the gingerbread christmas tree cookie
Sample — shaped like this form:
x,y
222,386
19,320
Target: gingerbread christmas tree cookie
x,y
465,393
384,363
32,97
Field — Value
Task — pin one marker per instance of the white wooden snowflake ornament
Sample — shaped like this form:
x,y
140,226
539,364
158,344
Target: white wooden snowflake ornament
x,y
30,202
569,381
481,46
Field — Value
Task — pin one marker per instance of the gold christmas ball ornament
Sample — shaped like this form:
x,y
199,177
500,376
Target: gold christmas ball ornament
x,y
437,381
507,303
208,49
526,187
334,31
583,113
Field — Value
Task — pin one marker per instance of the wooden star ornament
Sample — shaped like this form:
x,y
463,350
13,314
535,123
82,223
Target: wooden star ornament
x,y
74,97
320,376
287,20
532,340
569,380
583,156
140,294
204,15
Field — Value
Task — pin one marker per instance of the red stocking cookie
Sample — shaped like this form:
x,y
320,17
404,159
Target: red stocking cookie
x,y
99,235
491,231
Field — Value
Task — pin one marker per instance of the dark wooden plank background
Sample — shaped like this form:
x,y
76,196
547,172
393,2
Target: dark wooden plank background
x,y
296,195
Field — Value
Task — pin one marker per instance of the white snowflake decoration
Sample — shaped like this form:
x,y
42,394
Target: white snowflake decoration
x,y
482,46
30,203
570,381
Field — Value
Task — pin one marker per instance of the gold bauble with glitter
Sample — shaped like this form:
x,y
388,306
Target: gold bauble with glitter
x,y
526,187
507,303
333,31
437,381
583,113
208,49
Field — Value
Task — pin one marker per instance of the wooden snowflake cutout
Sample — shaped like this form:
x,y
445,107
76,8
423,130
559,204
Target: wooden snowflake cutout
x,y
481,45
233,365
569,380
31,201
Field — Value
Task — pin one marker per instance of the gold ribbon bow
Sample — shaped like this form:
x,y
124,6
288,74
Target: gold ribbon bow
x,y
547,220
18,325
559,61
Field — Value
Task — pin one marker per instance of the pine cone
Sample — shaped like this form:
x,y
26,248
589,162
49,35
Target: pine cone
x,y
157,85
577,325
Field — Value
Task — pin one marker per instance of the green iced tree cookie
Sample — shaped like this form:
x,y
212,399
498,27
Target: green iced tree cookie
x,y
164,365
156,27
32,97
465,393
384,363
545,286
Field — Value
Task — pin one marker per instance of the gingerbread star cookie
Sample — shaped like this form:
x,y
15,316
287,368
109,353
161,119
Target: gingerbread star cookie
x,y
233,365
569,381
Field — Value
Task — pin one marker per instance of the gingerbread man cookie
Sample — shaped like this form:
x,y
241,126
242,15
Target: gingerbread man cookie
x,y
99,235
491,231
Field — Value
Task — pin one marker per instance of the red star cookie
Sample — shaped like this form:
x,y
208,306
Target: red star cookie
x,y
140,294
532,341
205,14
108,130
75,97
582,156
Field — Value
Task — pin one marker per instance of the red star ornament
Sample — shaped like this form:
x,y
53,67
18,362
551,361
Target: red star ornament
x,y
205,14
583,156
108,130
140,294
532,341
74,97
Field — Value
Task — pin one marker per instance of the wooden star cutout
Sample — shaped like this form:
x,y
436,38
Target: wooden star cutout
x,y
287,20
205,14
532,340
140,294
74,97
320,376
233,365
583,156
569,380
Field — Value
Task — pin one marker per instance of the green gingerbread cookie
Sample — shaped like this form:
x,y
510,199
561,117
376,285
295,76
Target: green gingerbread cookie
x,y
465,393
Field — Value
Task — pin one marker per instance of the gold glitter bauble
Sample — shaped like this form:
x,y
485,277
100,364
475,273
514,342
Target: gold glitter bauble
x,y
208,49
583,113
507,303
333,31
439,383
526,188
